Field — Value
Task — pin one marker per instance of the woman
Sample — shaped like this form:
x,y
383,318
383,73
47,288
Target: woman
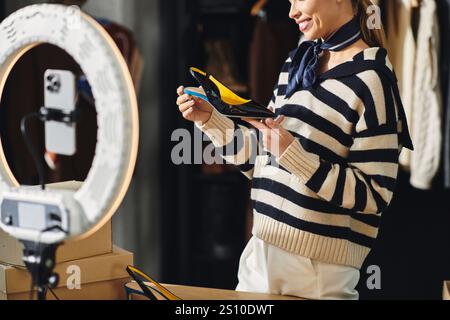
x,y
336,142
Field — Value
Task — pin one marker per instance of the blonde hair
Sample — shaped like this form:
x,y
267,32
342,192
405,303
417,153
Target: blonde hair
x,y
373,37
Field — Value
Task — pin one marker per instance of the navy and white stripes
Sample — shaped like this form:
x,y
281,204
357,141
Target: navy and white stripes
x,y
331,185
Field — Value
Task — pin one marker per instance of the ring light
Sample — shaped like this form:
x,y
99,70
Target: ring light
x,y
89,208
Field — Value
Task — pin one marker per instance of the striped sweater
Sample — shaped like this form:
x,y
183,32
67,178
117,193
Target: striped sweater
x,y
323,198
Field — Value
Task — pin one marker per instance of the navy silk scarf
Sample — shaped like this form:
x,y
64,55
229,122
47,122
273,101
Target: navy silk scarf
x,y
302,72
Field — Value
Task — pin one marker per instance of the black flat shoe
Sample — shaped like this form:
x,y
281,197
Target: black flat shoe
x,y
224,100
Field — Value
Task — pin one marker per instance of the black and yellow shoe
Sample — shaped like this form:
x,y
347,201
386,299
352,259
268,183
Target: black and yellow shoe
x,y
224,100
149,288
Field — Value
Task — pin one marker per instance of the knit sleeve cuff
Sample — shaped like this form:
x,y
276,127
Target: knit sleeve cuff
x,y
300,162
218,128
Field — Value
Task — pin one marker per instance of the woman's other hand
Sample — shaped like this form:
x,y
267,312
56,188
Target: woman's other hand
x,y
276,138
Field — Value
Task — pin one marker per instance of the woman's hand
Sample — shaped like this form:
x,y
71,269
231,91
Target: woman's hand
x,y
276,138
193,109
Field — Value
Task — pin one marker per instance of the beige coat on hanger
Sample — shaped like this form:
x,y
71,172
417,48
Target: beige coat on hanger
x,y
401,45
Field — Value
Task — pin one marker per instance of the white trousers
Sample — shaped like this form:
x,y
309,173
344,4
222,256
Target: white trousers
x,y
268,269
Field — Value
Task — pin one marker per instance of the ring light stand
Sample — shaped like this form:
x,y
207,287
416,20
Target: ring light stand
x,y
42,219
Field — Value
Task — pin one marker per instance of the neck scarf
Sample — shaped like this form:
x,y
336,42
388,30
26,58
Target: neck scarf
x,y
302,72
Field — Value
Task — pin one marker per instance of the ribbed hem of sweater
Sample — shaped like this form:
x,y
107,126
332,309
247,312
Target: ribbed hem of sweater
x,y
309,245
218,128
299,162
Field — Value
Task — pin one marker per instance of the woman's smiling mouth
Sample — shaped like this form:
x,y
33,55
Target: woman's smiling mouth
x,y
305,24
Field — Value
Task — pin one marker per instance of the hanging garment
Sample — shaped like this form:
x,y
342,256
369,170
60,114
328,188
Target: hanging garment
x,y
401,46
427,101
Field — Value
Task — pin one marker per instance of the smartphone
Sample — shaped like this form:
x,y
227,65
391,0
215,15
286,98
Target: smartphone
x,y
60,94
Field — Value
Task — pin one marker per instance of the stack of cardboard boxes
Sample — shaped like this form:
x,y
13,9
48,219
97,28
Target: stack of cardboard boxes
x,y
89,269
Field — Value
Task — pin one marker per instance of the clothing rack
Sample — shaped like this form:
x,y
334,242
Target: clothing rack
x,y
412,249
419,47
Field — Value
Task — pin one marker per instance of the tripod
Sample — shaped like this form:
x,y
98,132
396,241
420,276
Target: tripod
x,y
40,260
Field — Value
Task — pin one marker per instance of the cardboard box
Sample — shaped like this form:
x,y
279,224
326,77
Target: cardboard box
x,y
105,290
101,277
99,243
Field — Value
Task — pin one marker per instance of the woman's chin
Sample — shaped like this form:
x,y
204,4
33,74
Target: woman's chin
x,y
310,36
